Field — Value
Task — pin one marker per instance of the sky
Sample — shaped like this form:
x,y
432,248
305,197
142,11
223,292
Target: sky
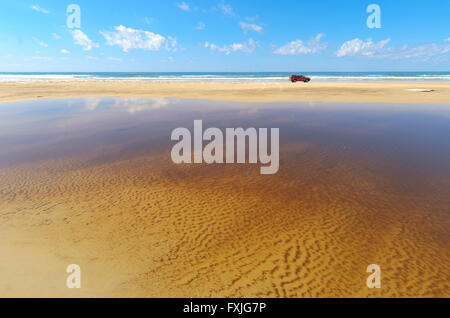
x,y
224,35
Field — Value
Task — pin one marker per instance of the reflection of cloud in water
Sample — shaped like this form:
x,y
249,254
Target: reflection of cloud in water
x,y
251,110
135,105
131,105
92,103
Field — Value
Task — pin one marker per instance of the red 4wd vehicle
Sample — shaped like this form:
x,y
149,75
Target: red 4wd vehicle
x,y
299,78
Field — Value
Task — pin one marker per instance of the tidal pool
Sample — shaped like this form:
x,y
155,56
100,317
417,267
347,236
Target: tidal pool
x,y
91,182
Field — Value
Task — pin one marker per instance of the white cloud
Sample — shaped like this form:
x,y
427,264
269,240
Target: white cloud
x,y
246,47
42,58
200,26
421,51
357,47
183,6
39,9
172,44
41,43
56,36
64,51
250,27
298,47
251,19
226,9
82,39
113,58
130,39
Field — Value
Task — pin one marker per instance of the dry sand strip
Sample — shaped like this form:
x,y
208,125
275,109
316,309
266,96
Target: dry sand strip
x,y
380,92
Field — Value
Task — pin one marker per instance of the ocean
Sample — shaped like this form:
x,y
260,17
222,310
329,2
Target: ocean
x,y
227,76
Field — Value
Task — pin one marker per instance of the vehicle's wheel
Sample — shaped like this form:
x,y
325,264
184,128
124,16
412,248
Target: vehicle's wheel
x,y
293,81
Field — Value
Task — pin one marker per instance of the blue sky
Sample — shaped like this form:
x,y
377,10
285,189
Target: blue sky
x,y
208,36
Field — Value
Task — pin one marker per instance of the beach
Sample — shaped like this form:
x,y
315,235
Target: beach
x,y
209,156
91,182
368,92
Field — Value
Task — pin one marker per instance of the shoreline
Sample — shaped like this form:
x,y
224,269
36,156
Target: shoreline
x,y
376,92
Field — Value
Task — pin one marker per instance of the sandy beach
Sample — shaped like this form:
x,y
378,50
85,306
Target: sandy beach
x,y
371,92
204,150
354,188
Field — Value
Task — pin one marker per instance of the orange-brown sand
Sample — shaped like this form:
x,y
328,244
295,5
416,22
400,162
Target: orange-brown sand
x,y
373,92
144,227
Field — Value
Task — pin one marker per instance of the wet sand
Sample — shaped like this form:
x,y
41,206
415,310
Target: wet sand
x,y
372,92
93,184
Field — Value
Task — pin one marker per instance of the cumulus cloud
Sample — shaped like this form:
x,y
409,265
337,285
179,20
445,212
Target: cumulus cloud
x,y
226,9
79,38
39,9
247,47
370,49
130,39
64,51
421,51
298,47
56,36
250,27
359,47
41,43
200,26
183,6
251,19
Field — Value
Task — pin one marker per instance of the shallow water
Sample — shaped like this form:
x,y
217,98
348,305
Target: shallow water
x,y
358,184
59,128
